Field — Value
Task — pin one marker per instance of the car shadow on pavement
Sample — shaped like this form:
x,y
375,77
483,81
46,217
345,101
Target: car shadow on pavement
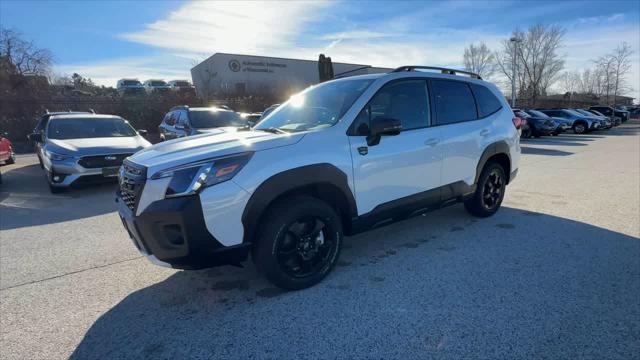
x,y
25,199
540,151
553,141
443,284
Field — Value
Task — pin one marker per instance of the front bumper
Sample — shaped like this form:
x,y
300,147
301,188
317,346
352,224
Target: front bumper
x,y
72,173
172,232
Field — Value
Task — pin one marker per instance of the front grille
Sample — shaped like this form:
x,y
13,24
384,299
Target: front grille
x,y
130,183
101,161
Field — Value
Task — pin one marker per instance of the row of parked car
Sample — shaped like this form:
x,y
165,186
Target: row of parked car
x,y
154,86
545,122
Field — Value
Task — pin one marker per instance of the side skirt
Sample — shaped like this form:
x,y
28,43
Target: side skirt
x,y
413,205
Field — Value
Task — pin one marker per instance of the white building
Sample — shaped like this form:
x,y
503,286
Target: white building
x,y
232,75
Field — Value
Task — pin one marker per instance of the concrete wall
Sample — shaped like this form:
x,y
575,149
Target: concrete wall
x,y
235,75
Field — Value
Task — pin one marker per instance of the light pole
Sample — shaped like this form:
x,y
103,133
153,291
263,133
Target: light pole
x,y
515,42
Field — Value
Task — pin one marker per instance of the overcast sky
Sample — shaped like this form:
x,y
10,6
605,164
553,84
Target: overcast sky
x,y
108,40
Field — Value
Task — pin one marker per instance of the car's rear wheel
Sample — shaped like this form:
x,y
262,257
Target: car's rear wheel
x,y
526,133
299,242
490,191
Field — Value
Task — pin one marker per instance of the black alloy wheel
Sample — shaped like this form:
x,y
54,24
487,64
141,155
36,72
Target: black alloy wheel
x,y
493,190
299,242
304,249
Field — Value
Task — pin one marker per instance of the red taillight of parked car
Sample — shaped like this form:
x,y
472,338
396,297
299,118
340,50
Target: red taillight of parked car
x,y
518,122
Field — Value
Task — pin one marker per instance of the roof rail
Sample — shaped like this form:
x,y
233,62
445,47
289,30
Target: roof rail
x,y
180,107
441,69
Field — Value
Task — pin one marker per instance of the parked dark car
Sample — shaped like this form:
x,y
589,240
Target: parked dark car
x,y
605,121
183,121
537,126
609,111
562,124
634,113
615,120
252,118
268,110
581,124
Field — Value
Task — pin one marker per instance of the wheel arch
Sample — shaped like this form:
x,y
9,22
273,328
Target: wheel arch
x,y
497,152
323,181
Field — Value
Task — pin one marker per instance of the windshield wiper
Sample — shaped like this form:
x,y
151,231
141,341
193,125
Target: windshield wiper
x,y
273,130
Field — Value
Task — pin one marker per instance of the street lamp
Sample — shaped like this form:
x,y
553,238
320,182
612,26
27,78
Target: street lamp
x,y
515,42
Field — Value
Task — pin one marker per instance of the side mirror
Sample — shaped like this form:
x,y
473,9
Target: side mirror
x,y
37,137
143,132
383,126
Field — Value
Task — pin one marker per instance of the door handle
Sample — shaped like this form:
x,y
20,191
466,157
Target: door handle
x,y
432,142
484,132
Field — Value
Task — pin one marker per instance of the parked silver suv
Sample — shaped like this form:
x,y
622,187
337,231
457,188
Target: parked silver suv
x,y
83,147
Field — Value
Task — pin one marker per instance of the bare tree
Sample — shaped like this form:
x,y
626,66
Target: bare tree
x,y
479,59
621,66
570,81
604,68
537,59
24,55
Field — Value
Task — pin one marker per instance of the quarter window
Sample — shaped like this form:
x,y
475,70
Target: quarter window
x,y
487,102
453,101
406,101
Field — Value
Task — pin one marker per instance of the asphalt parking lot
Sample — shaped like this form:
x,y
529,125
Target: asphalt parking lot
x,y
555,274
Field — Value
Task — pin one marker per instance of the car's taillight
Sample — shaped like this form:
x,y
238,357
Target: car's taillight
x,y
518,122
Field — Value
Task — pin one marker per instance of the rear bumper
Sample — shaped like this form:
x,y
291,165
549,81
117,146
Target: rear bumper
x,y
172,232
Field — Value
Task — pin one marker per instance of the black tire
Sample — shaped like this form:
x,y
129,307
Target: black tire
x,y
526,134
488,197
580,128
312,232
12,157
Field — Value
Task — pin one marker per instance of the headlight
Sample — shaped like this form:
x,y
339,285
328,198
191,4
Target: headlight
x,y
55,156
191,178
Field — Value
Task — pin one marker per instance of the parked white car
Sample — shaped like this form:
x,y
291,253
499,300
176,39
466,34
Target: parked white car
x,y
182,86
130,86
153,86
336,159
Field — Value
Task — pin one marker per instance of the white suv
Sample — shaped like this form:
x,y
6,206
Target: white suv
x,y
336,159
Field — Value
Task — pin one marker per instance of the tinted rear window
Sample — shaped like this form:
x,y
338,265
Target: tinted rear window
x,y
215,118
454,102
487,102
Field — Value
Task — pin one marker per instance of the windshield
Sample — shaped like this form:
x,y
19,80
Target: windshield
x,y
318,107
574,113
213,118
584,112
131,83
182,83
80,128
158,83
537,113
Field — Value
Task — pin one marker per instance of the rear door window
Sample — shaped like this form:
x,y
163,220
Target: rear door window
x,y
488,103
454,102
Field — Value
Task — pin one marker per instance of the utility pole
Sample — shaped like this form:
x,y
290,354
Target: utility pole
x,y
515,42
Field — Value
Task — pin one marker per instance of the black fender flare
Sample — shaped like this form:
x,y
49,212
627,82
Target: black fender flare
x,y
498,147
308,176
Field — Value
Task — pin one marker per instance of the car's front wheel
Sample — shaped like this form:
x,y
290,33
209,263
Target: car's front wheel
x,y
299,242
579,128
12,157
490,191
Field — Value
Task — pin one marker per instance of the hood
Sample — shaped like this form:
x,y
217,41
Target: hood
x,y
215,143
91,146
